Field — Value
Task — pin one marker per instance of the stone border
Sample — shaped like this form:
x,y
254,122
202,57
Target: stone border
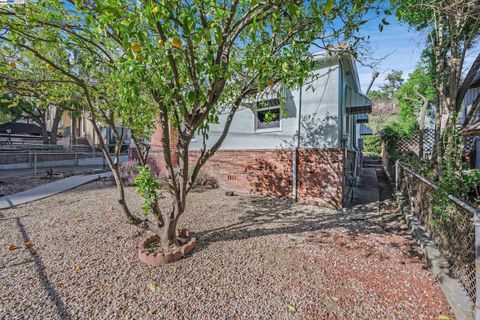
x,y
157,259
462,306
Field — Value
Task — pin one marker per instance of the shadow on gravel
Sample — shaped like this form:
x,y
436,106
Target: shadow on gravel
x,y
51,293
270,216
266,216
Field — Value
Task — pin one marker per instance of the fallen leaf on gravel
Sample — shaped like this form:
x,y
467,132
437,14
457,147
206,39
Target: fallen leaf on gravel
x,y
442,317
152,311
110,209
334,299
10,247
77,267
291,308
153,286
28,244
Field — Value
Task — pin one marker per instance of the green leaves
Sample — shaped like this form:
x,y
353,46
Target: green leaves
x,y
147,187
328,6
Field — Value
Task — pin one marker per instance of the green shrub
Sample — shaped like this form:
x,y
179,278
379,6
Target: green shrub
x,y
147,188
372,144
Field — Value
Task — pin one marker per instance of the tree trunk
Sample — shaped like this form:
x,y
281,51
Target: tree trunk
x,y
421,125
74,131
44,135
121,194
55,123
168,233
438,150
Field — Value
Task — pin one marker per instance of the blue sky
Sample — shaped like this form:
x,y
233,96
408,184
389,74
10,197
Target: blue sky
x,y
401,47
398,45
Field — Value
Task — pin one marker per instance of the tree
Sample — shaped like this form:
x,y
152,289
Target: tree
x,y
29,92
416,96
181,63
385,104
453,27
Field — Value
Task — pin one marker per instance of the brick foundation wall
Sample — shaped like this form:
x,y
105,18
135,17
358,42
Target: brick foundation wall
x,y
269,172
349,176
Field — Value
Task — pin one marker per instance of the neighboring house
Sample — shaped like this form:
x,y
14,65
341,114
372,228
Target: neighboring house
x,y
76,129
19,128
472,125
256,156
21,133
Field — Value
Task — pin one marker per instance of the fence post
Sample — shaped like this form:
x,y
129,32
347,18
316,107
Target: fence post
x,y
35,163
476,222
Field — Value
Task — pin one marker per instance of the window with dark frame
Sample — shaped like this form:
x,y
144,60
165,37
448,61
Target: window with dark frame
x,y
268,115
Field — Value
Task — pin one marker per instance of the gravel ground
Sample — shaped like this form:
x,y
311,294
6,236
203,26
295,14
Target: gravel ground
x,y
257,259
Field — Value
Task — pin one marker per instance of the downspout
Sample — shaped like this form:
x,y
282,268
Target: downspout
x,y
341,111
358,160
375,75
295,149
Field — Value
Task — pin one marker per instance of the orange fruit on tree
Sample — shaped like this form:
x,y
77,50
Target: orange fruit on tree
x,y
176,43
12,64
136,47
49,66
155,10
181,81
270,83
160,43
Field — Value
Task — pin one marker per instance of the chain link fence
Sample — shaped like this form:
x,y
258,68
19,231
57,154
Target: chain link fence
x,y
36,160
33,158
453,229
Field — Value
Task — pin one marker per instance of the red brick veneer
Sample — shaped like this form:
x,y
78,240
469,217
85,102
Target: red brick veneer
x,y
269,172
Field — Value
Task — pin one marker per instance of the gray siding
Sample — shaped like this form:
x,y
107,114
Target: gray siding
x,y
320,123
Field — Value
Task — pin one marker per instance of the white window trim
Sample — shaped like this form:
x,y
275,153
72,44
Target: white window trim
x,y
266,130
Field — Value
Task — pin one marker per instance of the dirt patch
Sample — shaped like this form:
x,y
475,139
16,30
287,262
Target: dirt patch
x,y
10,186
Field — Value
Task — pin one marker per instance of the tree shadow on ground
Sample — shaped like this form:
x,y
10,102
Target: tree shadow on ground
x,y
269,216
52,294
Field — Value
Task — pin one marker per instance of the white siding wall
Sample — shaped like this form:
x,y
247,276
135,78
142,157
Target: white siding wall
x,y
320,123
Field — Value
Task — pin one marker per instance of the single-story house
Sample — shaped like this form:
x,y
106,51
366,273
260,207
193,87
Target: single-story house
x,y
257,155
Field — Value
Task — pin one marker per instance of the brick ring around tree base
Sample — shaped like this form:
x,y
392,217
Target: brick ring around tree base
x,y
158,258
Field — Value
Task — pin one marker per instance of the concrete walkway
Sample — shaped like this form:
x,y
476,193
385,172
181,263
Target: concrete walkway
x,y
366,207
48,190
366,190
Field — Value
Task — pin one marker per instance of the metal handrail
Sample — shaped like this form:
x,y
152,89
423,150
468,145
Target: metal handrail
x,y
469,208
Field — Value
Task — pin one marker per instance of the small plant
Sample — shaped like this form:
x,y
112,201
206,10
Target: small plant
x,y
152,246
269,117
147,187
204,182
209,182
